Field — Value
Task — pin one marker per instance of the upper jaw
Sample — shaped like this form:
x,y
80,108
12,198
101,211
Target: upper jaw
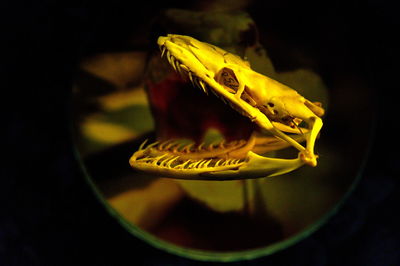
x,y
192,66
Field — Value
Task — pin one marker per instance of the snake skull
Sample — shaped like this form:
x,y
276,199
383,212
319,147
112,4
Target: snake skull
x,y
276,109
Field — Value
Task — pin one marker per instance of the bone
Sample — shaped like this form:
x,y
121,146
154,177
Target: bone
x,y
218,162
191,166
180,71
141,147
168,164
157,159
171,144
187,148
182,165
176,147
152,145
162,145
182,66
163,162
203,86
205,165
190,77
200,147
163,49
172,62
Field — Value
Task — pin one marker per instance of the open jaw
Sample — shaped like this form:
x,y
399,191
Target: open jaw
x,y
275,118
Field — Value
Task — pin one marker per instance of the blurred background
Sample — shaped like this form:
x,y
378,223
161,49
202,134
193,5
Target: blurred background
x,y
50,215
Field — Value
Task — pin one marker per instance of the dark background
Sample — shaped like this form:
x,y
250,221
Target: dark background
x,y
49,215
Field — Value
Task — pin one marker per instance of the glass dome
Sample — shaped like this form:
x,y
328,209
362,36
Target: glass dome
x,y
221,220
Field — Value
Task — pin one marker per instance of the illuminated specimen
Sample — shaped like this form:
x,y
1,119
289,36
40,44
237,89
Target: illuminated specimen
x,y
284,118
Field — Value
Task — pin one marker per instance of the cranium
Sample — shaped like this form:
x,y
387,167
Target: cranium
x,y
278,111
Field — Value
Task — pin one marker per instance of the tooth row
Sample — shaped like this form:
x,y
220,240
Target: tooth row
x,y
176,146
174,162
196,81
184,70
222,98
234,107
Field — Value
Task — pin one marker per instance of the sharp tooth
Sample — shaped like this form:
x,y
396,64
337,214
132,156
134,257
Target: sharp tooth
x,y
234,107
180,70
175,148
223,99
162,145
142,145
163,49
207,163
182,165
196,82
157,159
152,145
168,164
169,145
164,160
213,91
201,164
190,166
187,148
172,62
203,86
217,95
212,145
200,147
170,58
191,77
195,165
230,161
184,67
218,162
178,67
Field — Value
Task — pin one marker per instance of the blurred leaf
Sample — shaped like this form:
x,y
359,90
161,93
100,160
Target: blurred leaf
x,y
147,206
122,69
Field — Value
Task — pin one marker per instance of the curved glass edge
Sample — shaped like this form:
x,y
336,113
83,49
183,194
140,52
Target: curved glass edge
x,y
211,256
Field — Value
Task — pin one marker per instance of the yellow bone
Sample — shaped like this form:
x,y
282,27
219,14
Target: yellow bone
x,y
205,61
273,106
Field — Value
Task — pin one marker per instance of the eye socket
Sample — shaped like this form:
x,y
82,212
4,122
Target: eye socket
x,y
271,104
227,78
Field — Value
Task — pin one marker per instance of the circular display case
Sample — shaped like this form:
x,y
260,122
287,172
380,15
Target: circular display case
x,y
224,220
